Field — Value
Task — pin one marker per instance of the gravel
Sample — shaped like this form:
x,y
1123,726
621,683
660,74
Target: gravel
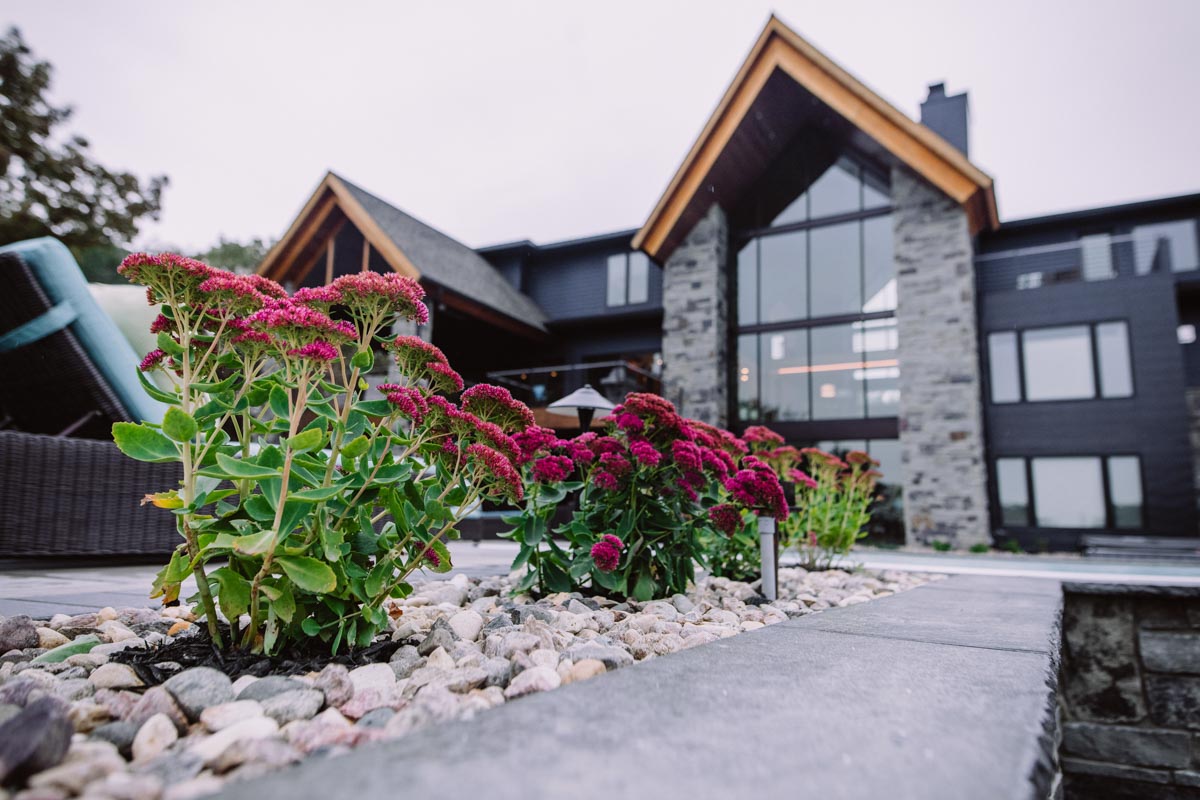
x,y
456,648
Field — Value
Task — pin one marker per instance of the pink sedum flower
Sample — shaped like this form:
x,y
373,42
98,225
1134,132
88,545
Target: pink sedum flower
x,y
606,553
725,518
315,351
645,453
552,469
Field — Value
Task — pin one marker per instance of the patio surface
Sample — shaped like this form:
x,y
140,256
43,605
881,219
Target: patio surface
x,y
42,591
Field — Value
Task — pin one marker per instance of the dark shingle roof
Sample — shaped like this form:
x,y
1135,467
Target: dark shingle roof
x,y
448,262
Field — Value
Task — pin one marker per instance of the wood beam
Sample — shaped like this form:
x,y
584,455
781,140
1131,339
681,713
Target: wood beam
x,y
366,259
307,260
329,261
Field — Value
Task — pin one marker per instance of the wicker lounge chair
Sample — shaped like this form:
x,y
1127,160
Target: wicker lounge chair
x,y
66,375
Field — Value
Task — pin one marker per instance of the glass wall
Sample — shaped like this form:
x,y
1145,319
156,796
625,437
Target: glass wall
x,y
817,338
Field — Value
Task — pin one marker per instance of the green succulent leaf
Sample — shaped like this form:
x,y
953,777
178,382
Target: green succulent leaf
x,y
168,345
255,544
308,574
239,469
356,447
179,425
233,592
307,440
158,394
143,443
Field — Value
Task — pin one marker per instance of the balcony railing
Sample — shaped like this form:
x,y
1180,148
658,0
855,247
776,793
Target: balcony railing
x,y
539,386
1167,247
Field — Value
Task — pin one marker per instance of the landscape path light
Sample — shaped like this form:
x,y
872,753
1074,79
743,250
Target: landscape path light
x,y
585,403
770,564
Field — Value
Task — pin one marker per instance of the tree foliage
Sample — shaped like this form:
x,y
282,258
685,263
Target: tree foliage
x,y
49,183
235,256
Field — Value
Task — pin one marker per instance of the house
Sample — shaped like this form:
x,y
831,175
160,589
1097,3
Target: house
x,y
823,264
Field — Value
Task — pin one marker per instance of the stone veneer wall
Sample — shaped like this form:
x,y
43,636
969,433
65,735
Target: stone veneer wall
x,y
1130,692
695,321
1193,404
941,415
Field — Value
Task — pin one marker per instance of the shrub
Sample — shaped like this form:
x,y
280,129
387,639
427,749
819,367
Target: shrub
x,y
322,502
832,496
979,547
942,546
651,495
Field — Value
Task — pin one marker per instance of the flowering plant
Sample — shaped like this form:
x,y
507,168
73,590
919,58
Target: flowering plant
x,y
644,491
833,496
321,501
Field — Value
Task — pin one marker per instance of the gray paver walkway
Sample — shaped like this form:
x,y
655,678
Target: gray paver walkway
x,y
939,692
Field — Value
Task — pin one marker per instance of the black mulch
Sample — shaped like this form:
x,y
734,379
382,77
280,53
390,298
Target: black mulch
x,y
155,664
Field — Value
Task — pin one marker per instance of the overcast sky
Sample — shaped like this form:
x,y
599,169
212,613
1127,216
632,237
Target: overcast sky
x,y
497,121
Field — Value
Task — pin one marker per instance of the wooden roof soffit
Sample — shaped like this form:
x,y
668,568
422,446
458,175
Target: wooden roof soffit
x,y
330,196
779,47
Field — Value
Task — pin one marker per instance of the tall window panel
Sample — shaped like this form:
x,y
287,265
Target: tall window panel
x,y
837,276
1112,351
783,277
879,342
1004,367
1012,486
747,284
1068,492
747,377
785,376
837,374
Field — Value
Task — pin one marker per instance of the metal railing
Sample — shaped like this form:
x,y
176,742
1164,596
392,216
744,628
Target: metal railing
x,y
1089,258
541,385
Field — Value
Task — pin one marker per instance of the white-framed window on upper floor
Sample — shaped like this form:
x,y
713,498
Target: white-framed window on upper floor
x,y
628,279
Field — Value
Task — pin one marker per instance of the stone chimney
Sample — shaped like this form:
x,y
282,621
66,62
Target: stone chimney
x,y
946,116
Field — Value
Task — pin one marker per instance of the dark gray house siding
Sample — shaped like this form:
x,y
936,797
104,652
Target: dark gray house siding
x,y
1153,423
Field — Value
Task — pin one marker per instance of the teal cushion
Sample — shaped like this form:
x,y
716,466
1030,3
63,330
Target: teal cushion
x,y
56,272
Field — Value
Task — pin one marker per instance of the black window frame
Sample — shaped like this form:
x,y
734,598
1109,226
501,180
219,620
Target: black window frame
x,y
1093,348
1105,478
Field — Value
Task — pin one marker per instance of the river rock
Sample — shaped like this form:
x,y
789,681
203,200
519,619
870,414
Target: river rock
x,y
120,734
440,635
157,700
269,686
587,668
50,638
115,676
466,625
535,679
611,656
299,704
254,728
198,688
219,717
156,735
334,681
35,739
17,633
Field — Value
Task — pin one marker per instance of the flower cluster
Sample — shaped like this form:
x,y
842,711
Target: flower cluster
x,y
725,518
552,469
421,361
366,294
606,553
496,404
761,437
495,473
299,325
756,487
408,402
315,351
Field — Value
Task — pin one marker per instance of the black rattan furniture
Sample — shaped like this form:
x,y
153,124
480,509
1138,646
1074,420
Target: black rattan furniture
x,y
66,375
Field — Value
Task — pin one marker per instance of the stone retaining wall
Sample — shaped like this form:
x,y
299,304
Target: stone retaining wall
x,y
1130,692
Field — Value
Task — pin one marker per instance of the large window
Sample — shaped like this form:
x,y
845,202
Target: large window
x,y
827,257
1070,362
820,372
1070,492
628,279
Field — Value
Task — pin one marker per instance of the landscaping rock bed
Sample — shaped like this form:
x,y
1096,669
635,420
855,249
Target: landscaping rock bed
x,y
92,705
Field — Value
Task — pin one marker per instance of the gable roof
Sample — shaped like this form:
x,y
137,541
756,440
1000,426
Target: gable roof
x,y
409,246
780,50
